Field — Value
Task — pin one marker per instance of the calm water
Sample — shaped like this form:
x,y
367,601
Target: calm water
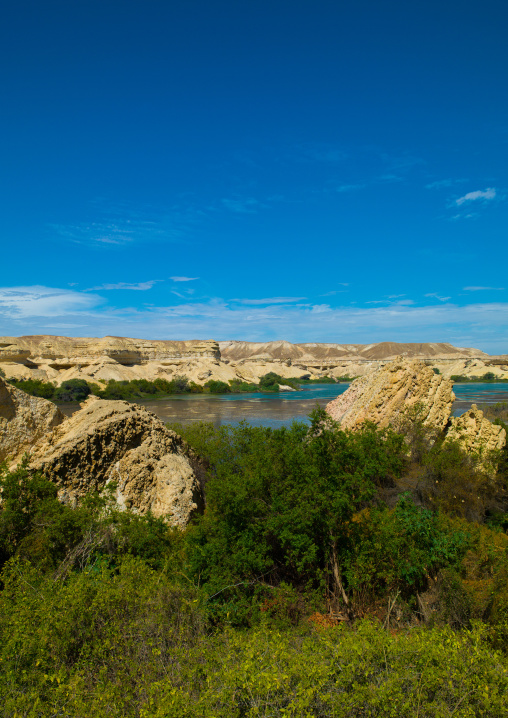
x,y
258,409
281,409
467,394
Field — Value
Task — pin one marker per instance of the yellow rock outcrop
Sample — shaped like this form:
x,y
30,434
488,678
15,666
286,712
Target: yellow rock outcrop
x,y
114,441
475,433
383,395
24,420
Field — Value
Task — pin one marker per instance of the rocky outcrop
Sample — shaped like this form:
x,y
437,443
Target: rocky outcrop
x,y
475,433
24,420
388,394
114,441
384,395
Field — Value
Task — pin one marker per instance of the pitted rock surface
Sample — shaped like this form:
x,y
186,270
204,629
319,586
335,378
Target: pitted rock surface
x,y
116,441
24,420
475,433
383,395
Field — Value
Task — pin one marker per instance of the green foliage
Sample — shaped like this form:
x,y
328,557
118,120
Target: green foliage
x,y
35,525
218,387
435,370
398,550
321,380
495,411
487,377
35,387
92,643
111,613
279,502
132,643
72,390
271,382
238,386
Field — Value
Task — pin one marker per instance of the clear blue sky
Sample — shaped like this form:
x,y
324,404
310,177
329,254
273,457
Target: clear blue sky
x,y
301,170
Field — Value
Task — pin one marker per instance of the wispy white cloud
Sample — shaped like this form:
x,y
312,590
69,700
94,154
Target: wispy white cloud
x,y
483,289
119,224
390,300
270,300
444,183
336,291
433,295
469,215
28,310
184,279
139,287
40,301
489,193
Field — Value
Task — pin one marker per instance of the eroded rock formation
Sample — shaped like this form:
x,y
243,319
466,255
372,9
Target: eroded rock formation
x,y
114,441
24,420
384,395
57,359
475,433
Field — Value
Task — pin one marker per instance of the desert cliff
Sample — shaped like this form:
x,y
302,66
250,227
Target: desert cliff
x,y
58,359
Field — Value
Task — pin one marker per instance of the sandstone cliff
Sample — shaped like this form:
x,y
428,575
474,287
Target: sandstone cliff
x,y
58,359
24,420
114,441
383,395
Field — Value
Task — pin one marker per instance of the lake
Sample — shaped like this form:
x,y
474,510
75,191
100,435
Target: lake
x,y
281,409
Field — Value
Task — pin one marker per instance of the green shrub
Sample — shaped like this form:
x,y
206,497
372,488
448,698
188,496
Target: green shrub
x,y
72,390
238,386
271,382
35,387
279,503
217,387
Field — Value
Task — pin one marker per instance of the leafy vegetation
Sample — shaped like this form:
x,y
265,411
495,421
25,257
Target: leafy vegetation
x,y
79,389
486,378
332,574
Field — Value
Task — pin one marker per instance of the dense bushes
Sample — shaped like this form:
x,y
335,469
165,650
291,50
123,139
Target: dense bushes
x,y
112,613
34,525
132,643
302,509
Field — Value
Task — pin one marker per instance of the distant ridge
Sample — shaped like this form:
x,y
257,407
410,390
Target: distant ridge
x,y
236,350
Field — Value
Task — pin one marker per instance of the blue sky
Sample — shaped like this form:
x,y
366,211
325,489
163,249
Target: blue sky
x,y
309,171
